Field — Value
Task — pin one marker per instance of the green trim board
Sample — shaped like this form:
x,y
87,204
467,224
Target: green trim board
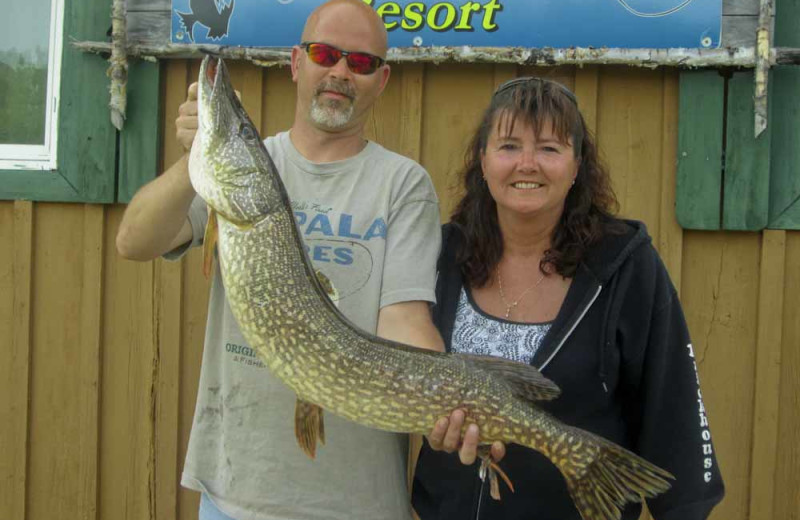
x,y
139,139
758,186
784,190
700,129
784,196
745,204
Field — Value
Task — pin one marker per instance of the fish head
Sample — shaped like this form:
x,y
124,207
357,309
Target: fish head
x,y
229,166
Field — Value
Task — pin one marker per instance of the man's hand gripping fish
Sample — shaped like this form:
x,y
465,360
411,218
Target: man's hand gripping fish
x,y
331,365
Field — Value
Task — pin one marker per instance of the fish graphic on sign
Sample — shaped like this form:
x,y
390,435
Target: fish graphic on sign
x,y
214,14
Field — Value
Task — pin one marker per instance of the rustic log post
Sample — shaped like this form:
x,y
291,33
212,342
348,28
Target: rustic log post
x,y
763,38
118,68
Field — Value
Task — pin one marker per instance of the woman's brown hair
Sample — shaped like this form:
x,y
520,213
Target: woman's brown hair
x,y
590,204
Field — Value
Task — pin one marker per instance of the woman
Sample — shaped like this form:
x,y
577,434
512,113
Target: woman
x,y
535,268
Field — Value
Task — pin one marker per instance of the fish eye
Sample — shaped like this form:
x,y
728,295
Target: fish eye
x,y
247,132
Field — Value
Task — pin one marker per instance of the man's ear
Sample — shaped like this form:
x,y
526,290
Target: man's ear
x,y
297,55
385,73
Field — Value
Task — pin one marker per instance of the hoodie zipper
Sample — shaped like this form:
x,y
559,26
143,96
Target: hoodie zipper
x,y
558,348
572,329
480,500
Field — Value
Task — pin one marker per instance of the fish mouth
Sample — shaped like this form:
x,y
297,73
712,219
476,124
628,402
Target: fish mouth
x,y
209,77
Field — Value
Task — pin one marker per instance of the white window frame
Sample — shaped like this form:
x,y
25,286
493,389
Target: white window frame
x,y
43,157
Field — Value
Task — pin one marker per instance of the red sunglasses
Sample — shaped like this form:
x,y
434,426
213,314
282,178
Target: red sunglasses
x,y
328,56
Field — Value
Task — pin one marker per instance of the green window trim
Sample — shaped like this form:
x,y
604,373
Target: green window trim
x,y
87,160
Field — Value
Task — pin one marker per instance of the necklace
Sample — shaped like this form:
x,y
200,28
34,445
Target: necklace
x,y
512,305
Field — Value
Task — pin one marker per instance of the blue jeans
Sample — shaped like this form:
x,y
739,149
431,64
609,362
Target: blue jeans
x,y
208,511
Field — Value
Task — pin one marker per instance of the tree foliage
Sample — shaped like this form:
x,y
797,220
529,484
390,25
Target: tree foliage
x,y
23,95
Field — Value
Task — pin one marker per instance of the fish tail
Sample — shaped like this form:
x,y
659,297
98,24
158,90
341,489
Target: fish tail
x,y
615,477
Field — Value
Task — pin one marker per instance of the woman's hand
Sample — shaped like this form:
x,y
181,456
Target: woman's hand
x,y
446,436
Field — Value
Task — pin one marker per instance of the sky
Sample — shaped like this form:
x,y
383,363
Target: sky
x,y
25,25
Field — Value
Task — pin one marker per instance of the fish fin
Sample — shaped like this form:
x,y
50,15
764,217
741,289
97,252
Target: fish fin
x,y
308,426
493,470
525,380
614,478
209,241
327,285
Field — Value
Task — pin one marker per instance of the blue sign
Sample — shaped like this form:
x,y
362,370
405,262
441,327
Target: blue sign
x,y
482,23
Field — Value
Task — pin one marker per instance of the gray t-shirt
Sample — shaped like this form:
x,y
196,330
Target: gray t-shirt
x,y
371,225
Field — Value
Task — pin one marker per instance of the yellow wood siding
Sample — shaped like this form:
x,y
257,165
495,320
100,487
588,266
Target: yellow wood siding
x,y
101,356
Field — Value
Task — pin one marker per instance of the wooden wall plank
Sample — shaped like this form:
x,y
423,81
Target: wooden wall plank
x,y
448,126
169,294
56,404
16,229
168,299
719,297
91,320
564,75
168,315
411,88
747,163
787,473
194,302
279,101
503,72
383,123
128,383
8,412
768,372
248,80
630,124
669,241
699,181
587,84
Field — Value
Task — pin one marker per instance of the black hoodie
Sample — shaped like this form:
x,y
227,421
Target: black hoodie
x,y
620,351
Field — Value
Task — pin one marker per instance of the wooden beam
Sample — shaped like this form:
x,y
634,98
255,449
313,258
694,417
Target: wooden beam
x,y
650,58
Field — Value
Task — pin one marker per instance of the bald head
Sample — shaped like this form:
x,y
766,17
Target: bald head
x,y
356,16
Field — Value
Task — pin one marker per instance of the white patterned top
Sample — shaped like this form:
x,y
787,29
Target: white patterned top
x,y
475,332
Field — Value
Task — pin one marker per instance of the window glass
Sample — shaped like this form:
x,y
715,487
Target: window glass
x,y
30,48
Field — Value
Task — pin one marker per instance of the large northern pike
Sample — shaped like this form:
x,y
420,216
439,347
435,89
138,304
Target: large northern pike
x,y
285,315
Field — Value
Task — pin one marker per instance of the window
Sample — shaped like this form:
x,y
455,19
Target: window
x,y
83,167
30,62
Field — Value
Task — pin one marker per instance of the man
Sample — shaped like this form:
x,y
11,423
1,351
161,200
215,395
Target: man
x,y
369,218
